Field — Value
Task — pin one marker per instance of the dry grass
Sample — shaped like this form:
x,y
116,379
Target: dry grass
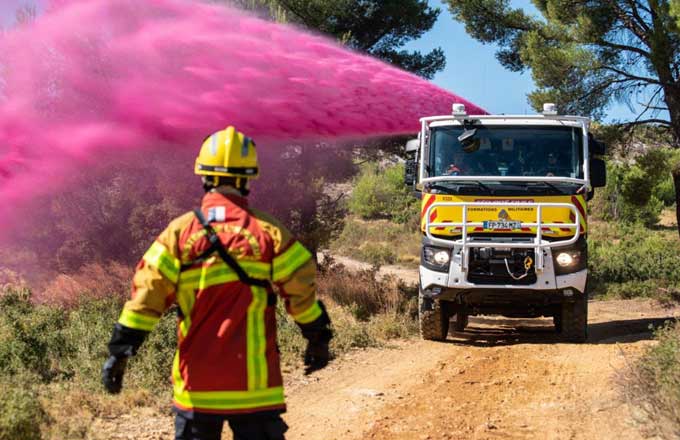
x,y
379,242
91,281
56,352
653,383
364,293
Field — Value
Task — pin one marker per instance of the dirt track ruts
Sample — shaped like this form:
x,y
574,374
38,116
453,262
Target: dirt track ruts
x,y
501,379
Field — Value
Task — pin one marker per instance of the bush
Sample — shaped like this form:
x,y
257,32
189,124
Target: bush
x,y
665,191
21,415
660,290
30,337
655,381
378,254
381,193
639,191
364,294
627,261
638,255
365,312
379,242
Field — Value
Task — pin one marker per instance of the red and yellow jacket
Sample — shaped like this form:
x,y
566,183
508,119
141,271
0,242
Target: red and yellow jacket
x,y
227,359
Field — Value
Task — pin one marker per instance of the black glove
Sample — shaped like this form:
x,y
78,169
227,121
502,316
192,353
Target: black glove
x,y
317,356
124,343
318,334
112,374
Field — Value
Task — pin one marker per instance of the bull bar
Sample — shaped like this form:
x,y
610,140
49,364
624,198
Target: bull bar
x,y
538,244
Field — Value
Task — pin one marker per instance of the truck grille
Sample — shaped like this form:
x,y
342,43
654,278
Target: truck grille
x,y
487,266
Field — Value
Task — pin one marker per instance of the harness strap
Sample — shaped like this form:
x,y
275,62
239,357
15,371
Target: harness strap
x,y
216,246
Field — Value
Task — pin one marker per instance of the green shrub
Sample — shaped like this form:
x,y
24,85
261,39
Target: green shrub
x,y
30,337
378,254
627,261
655,382
379,242
639,191
638,255
665,191
658,289
381,193
87,330
21,414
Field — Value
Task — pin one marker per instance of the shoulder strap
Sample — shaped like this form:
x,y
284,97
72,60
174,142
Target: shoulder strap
x,y
216,246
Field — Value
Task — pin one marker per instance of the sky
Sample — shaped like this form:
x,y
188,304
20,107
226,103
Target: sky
x,y
472,70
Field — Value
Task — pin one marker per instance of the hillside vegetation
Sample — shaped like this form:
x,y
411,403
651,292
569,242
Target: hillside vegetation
x,y
51,354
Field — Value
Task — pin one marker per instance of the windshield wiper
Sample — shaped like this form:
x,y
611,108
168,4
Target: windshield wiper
x,y
551,185
442,186
479,184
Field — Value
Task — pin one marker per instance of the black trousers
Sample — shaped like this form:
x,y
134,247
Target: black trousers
x,y
262,426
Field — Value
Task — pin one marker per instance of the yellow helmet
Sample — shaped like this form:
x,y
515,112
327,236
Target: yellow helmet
x,y
227,153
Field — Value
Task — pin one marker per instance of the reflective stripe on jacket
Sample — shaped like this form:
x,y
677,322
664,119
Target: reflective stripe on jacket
x,y
227,360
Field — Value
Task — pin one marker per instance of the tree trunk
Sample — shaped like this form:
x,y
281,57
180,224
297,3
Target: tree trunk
x,y
676,182
672,98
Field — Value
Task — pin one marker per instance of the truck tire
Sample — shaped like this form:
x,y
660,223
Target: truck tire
x,y
434,320
574,319
462,320
557,321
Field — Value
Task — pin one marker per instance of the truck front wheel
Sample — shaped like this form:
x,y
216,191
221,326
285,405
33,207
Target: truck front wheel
x,y
462,320
434,319
574,319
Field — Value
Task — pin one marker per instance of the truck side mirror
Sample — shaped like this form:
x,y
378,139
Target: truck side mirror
x,y
412,146
598,148
411,166
598,173
410,172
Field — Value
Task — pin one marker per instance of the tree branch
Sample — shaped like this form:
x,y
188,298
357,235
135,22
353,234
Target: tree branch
x,y
626,48
306,19
649,103
601,87
629,125
629,23
637,16
634,77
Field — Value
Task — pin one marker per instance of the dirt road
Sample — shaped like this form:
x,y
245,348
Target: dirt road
x,y
509,379
502,379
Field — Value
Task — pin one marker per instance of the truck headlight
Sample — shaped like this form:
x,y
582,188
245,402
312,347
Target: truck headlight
x,y
565,259
572,258
436,258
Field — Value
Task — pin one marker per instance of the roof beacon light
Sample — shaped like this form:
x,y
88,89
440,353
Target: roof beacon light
x,y
549,109
459,110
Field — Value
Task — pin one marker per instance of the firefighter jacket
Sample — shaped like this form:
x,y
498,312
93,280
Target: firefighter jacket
x,y
227,360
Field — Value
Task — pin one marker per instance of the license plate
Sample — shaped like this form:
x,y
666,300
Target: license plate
x,y
498,224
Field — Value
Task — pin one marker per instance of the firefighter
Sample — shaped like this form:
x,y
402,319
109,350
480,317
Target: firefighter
x,y
218,265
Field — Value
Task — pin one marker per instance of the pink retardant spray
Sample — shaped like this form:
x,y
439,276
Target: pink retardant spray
x,y
90,81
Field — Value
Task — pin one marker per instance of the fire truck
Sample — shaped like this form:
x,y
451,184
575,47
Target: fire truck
x,y
504,217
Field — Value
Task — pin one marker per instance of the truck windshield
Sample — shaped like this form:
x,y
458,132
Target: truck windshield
x,y
520,150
